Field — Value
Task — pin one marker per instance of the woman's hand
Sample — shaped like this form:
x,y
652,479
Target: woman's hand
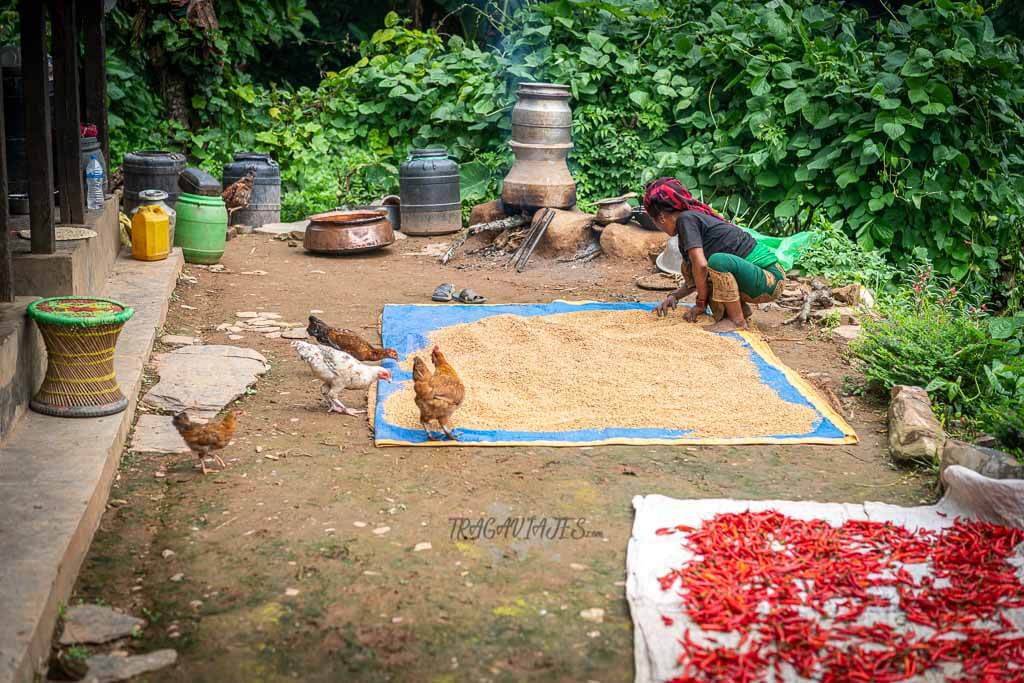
x,y
695,311
667,305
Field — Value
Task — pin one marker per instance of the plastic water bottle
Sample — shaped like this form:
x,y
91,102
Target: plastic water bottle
x,y
94,184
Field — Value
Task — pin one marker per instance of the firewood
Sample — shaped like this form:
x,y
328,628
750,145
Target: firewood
x,y
466,233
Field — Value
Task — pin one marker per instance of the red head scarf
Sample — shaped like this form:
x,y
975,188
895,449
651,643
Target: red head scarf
x,y
668,194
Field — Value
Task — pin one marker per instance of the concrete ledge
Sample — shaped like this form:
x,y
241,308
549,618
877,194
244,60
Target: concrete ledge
x,y
78,266
22,362
55,476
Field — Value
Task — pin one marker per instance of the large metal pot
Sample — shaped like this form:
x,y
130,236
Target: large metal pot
x,y
541,140
348,232
542,115
539,178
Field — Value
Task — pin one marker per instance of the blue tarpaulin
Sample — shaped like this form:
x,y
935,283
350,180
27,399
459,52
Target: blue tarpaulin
x,y
406,329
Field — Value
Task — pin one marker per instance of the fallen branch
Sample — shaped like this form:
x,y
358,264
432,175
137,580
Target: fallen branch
x,y
820,294
466,233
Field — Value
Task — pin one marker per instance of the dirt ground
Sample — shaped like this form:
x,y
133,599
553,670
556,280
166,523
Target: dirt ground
x,y
298,561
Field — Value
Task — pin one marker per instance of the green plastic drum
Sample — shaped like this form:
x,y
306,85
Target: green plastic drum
x,y
201,227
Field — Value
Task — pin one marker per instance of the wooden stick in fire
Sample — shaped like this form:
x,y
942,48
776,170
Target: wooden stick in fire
x,y
466,233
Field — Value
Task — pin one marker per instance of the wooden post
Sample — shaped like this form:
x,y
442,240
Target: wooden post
x,y
64,29
94,32
6,268
35,72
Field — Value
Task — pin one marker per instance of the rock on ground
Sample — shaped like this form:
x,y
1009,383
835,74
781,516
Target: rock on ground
x,y
177,340
107,668
485,213
295,333
914,433
204,379
854,295
844,334
566,233
630,242
987,462
93,624
282,228
156,434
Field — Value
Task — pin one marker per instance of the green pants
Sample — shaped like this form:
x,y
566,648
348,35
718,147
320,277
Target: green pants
x,y
734,278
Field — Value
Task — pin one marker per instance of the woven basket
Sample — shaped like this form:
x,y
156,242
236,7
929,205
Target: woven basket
x,y
80,334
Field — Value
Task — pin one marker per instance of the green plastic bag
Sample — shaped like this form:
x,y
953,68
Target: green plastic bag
x,y
787,249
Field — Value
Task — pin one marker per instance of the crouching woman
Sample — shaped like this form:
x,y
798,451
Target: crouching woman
x,y
726,266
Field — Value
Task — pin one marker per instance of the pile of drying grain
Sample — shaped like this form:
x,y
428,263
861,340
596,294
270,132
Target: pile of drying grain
x,y
599,369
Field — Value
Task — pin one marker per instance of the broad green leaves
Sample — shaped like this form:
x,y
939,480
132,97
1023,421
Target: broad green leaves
x,y
795,101
906,128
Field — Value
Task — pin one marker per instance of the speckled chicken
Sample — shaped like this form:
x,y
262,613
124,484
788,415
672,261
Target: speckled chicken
x,y
338,371
237,195
347,341
204,439
438,393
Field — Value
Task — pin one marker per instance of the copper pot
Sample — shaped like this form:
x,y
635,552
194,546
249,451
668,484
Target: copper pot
x,y
348,232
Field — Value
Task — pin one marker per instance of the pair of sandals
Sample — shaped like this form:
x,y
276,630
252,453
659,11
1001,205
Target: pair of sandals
x,y
446,292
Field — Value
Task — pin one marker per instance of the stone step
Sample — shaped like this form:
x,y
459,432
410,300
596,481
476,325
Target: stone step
x,y
55,475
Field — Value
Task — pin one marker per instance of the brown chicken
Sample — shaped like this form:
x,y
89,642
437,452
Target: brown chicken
x,y
237,195
347,341
204,439
438,394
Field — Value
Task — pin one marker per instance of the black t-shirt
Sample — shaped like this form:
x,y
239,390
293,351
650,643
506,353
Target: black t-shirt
x,y
696,229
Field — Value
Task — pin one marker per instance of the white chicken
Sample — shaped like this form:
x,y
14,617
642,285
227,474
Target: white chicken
x,y
338,371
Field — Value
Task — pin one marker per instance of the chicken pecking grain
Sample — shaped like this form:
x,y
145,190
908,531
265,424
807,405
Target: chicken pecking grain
x,y
338,371
347,341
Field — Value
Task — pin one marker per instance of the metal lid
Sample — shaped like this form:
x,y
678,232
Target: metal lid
x,y
544,90
146,154
153,195
428,152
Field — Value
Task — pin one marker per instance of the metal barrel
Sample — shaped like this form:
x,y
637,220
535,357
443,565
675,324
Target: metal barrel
x,y
265,202
428,184
151,170
14,129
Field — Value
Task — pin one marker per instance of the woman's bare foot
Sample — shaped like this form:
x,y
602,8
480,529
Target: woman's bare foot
x,y
726,325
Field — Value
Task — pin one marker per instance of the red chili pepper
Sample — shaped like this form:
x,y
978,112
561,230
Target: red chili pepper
x,y
745,561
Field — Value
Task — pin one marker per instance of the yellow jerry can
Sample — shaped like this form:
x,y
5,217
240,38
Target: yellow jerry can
x,y
151,234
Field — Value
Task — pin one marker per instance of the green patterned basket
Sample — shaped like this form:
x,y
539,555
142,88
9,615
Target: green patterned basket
x,y
80,334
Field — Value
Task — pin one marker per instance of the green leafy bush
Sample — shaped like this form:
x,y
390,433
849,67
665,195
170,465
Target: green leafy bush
x,y
842,261
905,131
935,336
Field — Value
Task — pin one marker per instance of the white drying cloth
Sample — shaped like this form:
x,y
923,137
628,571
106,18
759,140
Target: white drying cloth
x,y
649,556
